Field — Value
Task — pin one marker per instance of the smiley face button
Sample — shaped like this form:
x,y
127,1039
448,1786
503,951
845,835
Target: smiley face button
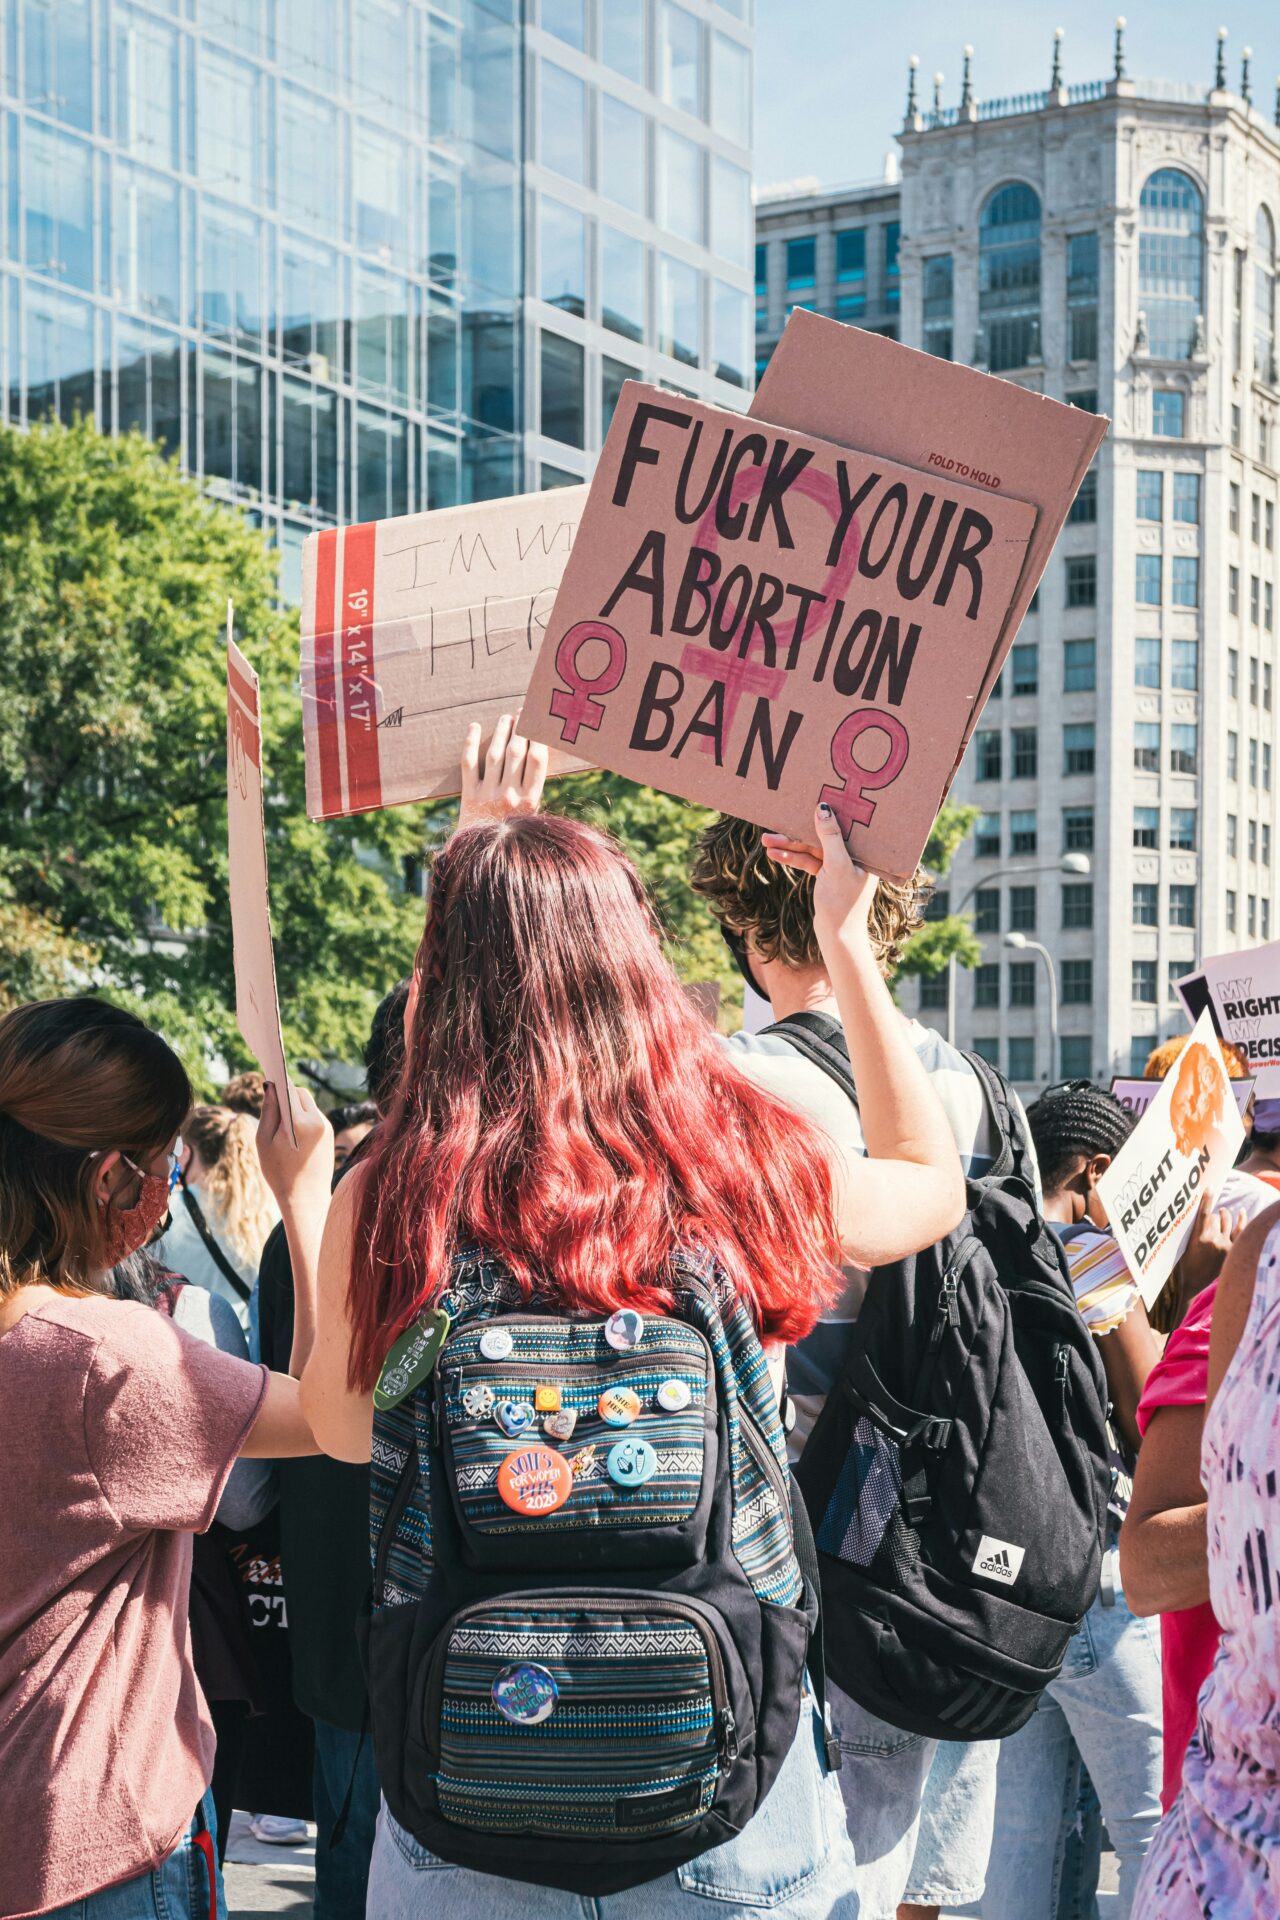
x,y
535,1481
631,1463
618,1406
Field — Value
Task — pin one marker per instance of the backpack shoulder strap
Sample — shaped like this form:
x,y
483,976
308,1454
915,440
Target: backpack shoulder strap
x,y
1014,1156
214,1251
821,1041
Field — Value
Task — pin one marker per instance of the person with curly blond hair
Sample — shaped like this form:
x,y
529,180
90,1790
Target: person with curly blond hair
x,y
920,1813
221,1210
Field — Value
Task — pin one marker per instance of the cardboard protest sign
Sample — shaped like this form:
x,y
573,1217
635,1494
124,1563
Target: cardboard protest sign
x,y
1183,1148
948,420
257,1004
757,620
1194,994
411,629
1137,1095
1245,991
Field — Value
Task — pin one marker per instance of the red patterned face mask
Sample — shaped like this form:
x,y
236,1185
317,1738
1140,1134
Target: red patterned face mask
x,y
125,1229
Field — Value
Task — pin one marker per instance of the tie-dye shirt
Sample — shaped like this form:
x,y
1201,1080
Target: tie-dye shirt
x,y
1217,1853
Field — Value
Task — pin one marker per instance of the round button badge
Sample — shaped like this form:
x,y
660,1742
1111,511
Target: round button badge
x,y
535,1481
496,1343
673,1396
618,1406
624,1329
631,1463
525,1694
478,1402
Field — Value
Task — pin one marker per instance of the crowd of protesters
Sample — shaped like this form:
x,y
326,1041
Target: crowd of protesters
x,y
194,1315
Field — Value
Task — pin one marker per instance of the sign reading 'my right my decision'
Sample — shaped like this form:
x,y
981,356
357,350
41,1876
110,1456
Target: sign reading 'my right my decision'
x,y
757,620
1245,991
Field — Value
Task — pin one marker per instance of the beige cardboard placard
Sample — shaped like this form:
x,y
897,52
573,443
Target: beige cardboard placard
x,y
1182,1148
757,620
864,391
1244,992
411,629
257,1003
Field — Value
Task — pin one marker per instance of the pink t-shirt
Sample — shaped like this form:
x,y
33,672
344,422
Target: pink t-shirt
x,y
1188,1638
119,1433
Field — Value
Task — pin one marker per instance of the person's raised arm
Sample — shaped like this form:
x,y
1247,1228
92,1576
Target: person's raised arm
x,y
508,778
910,1192
341,1416
300,1178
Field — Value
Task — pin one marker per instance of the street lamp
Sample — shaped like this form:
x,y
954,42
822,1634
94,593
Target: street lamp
x,y
1075,863
1020,944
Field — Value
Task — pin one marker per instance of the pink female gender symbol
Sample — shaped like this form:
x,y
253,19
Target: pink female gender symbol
x,y
847,801
578,709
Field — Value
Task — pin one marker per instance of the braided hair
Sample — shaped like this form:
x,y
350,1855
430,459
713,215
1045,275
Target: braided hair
x,y
1073,1120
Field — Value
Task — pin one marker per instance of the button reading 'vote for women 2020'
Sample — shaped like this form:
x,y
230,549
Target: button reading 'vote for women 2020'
x,y
631,1463
535,1481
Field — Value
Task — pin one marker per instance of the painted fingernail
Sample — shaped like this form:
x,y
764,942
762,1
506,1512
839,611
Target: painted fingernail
x,y
824,810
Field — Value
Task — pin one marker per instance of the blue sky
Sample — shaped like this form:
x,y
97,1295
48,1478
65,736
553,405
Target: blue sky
x,y
831,75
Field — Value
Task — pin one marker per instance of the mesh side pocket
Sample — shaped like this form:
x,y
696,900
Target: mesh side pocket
x,y
865,1497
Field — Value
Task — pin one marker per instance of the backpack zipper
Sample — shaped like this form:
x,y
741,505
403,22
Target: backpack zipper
x,y
946,1314
1062,1373
552,1601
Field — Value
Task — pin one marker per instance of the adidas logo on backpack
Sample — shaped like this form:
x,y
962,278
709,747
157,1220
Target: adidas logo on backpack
x,y
957,1475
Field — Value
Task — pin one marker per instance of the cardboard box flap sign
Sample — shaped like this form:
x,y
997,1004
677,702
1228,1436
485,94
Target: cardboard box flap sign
x,y
257,1003
411,629
756,619
864,391
1244,995
1137,1095
1181,1150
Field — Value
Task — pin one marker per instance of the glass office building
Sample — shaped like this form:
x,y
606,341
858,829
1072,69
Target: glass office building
x,y
282,236
350,258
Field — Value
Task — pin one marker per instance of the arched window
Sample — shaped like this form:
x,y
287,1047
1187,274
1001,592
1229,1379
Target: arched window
x,y
1170,263
1009,276
1264,296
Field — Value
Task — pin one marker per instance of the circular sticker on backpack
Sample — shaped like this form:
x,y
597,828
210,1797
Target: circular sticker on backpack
x,y
525,1694
534,1481
618,1406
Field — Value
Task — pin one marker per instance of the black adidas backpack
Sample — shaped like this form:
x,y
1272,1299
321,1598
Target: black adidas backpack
x,y
957,1475
593,1600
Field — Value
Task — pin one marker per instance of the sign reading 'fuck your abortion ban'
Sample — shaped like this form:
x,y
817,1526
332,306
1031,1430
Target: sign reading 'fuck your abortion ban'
x,y
756,620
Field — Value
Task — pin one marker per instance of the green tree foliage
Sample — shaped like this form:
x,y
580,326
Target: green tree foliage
x,y
114,576
928,952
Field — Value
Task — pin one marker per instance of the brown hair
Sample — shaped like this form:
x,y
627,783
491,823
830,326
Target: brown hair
x,y
244,1093
750,893
76,1077
234,1198
1161,1058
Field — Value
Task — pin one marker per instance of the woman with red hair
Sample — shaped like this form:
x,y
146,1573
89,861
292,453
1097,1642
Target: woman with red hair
x,y
564,1107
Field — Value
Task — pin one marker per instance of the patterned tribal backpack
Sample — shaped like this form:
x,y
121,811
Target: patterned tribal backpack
x,y
589,1623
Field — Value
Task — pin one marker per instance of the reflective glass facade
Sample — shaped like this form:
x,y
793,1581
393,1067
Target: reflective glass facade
x,y
285,237
638,146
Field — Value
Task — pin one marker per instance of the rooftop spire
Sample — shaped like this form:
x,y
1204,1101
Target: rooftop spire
x,y
1055,78
939,77
966,84
1220,70
1246,88
912,65
1120,26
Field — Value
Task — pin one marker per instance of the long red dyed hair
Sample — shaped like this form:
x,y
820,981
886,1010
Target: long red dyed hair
x,y
563,1105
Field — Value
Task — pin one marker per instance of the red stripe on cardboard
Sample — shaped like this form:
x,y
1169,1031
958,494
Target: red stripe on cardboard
x,y
326,690
359,691
244,690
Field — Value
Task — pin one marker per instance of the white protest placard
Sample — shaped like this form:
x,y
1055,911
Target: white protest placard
x,y
257,1003
1137,1095
414,627
1182,1148
1245,991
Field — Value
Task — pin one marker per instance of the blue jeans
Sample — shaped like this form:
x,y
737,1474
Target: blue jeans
x,y
1105,1709
793,1859
342,1872
919,1811
178,1889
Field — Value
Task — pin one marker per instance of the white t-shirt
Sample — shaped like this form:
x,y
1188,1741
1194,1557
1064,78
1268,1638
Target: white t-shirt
x,y
814,1363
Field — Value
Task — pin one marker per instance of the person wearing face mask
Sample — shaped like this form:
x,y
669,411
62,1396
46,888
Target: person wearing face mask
x,y
121,1432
